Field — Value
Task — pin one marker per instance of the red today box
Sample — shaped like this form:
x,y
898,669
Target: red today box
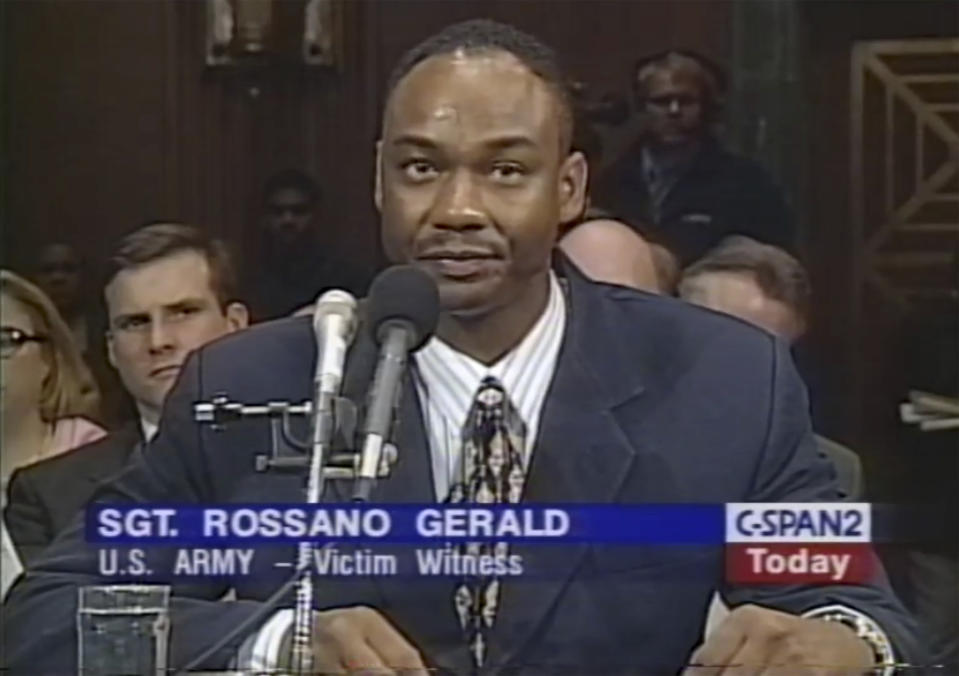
x,y
799,563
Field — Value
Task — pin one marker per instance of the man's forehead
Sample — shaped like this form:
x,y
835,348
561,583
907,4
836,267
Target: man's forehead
x,y
476,88
167,280
669,77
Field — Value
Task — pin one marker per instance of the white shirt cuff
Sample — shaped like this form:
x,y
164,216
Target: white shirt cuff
x,y
260,652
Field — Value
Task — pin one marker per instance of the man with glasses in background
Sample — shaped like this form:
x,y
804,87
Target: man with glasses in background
x,y
678,185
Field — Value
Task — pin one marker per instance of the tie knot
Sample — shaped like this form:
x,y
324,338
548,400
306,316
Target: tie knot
x,y
490,392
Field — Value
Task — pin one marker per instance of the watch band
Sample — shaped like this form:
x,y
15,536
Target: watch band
x,y
866,629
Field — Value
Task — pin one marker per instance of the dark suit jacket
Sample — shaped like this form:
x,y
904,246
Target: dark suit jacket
x,y
718,194
848,468
652,401
44,497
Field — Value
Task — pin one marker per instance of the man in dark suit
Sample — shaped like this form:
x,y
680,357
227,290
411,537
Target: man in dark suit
x,y
677,184
766,286
169,289
637,399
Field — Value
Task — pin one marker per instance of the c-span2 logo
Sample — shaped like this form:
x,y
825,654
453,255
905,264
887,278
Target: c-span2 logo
x,y
799,542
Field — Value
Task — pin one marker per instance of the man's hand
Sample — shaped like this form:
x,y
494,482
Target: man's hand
x,y
756,640
359,640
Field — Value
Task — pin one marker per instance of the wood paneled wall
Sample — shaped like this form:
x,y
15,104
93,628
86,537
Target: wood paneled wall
x,y
112,118
865,363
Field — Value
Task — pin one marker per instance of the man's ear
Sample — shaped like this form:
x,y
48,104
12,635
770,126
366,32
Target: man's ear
x,y
573,178
237,316
799,327
111,350
378,177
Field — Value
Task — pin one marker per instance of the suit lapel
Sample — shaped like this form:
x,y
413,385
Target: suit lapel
x,y
581,456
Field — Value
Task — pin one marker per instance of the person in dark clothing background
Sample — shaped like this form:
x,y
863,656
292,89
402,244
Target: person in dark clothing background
x,y
64,275
293,261
678,185
766,286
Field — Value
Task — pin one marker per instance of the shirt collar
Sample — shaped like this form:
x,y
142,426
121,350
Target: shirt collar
x,y
666,164
525,371
148,428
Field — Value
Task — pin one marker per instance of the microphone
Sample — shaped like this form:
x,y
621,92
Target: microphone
x,y
334,325
403,308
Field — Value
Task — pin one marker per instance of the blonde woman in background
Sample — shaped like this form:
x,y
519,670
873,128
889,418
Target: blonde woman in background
x,y
47,390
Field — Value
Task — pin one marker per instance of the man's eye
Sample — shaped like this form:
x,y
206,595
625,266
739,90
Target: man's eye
x,y
419,170
183,312
132,323
508,172
667,101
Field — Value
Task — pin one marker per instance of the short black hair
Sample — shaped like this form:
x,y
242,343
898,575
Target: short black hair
x,y
479,35
295,179
161,239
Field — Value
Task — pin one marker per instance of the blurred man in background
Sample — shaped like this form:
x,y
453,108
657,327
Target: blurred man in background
x,y
170,289
59,272
612,252
63,274
295,259
757,282
765,286
678,185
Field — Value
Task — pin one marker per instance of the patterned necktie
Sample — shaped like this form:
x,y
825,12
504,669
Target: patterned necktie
x,y
493,443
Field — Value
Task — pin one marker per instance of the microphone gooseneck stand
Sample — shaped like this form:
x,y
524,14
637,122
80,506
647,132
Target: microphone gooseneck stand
x,y
338,417
402,314
303,611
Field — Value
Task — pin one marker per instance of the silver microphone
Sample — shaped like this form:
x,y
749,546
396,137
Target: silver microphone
x,y
334,325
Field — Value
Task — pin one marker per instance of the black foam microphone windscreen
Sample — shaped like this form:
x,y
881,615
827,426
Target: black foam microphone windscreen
x,y
407,295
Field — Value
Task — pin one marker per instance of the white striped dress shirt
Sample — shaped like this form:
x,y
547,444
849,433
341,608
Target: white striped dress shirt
x,y
448,381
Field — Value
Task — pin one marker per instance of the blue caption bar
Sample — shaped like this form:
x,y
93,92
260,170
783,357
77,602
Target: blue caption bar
x,y
284,523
